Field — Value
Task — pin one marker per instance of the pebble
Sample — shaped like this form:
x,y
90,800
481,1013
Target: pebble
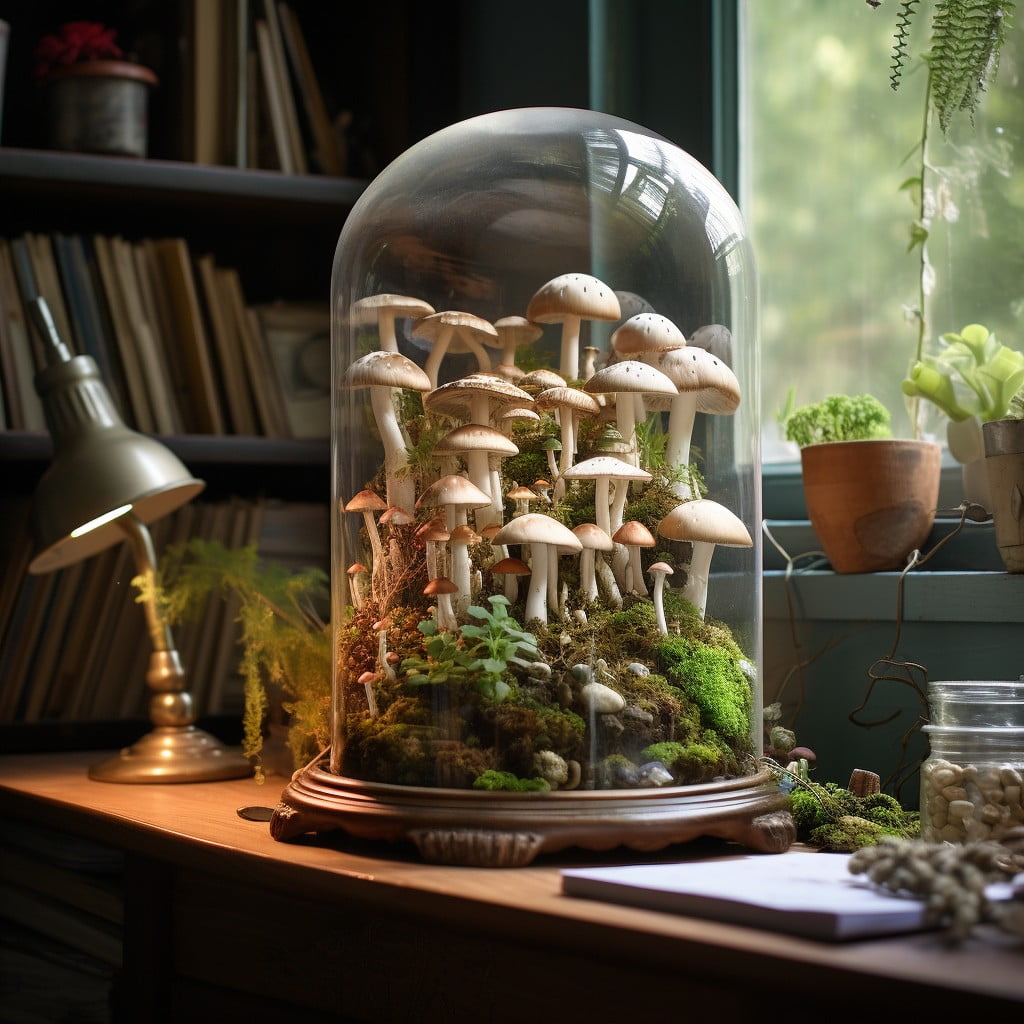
x,y
637,669
969,803
601,699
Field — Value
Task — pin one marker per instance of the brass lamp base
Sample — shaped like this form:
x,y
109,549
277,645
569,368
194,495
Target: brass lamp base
x,y
173,753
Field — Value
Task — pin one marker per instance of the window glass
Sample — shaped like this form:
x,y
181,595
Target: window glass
x,y
826,144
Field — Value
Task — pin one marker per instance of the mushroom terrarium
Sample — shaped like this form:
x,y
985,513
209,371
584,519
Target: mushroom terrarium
x,y
546,565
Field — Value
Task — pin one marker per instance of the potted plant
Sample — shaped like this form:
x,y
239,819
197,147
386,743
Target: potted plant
x,y
1004,466
871,498
96,99
972,380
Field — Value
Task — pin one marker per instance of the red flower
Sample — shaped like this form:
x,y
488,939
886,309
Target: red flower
x,y
75,41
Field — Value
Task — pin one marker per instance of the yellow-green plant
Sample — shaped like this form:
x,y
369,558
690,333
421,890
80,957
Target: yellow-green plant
x,y
285,643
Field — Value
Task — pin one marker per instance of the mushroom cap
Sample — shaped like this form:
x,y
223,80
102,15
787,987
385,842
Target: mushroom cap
x,y
705,520
568,398
542,484
367,677
453,398
518,330
634,534
440,585
522,493
630,376
453,490
551,444
474,437
573,295
355,568
511,567
535,528
518,414
630,303
386,370
508,372
464,534
591,536
368,309
433,532
488,532
694,369
663,567
716,338
605,466
462,324
366,501
397,516
646,333
538,380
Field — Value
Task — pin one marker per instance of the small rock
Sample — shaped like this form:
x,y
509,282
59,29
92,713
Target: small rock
x,y
654,773
601,699
637,669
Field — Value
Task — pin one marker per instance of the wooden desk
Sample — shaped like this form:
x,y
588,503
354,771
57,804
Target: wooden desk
x,y
220,918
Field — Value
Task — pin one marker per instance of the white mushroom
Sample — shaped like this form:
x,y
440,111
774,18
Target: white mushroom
x,y
476,443
540,532
354,571
624,380
571,404
366,503
705,524
660,570
383,310
705,384
514,332
593,539
602,469
568,300
442,588
381,372
455,331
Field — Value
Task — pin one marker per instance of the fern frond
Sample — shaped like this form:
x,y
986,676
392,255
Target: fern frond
x,y
966,39
901,41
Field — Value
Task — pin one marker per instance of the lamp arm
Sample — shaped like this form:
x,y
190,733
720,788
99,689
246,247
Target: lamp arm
x,y
145,564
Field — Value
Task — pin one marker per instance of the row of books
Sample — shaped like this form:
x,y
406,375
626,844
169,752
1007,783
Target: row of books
x,y
172,334
253,81
74,644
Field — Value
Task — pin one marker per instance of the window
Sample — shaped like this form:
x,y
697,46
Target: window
x,y
825,144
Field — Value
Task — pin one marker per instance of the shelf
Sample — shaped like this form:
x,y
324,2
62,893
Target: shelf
x,y
34,172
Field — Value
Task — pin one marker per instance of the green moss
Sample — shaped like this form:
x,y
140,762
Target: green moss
x,y
507,782
833,818
689,762
847,834
710,677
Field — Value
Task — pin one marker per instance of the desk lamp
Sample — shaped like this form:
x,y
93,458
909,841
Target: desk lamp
x,y
105,484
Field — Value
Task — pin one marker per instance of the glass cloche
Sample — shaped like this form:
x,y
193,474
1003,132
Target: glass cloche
x,y
546,599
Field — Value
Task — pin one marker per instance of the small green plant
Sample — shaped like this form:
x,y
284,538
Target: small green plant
x,y
838,418
973,375
477,654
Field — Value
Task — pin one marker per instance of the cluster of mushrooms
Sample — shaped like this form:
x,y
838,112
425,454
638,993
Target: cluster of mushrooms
x,y
650,368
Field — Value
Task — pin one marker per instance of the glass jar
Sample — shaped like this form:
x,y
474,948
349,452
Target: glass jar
x,y
972,782
546,497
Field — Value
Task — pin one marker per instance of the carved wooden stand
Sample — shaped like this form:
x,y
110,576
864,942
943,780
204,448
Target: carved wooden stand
x,y
466,827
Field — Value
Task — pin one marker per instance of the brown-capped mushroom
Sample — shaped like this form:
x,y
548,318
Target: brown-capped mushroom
x,y
367,502
383,310
594,540
452,330
634,536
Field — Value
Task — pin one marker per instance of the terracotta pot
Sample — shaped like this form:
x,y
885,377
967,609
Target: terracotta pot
x,y
871,503
1004,463
99,106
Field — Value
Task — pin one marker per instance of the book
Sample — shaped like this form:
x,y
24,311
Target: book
x,y
47,280
807,894
22,354
228,348
274,98
176,265
259,370
139,412
326,150
298,336
282,77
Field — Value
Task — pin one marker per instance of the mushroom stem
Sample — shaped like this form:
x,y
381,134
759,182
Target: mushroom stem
x,y
569,366
601,510
536,598
553,578
680,429
445,613
436,357
374,534
401,491
659,602
625,420
552,466
636,572
461,572
588,580
695,590
608,581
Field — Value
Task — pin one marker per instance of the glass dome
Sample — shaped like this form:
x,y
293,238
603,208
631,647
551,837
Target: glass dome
x,y
546,595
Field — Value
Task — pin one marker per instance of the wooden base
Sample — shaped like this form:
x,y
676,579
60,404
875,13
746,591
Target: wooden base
x,y
466,827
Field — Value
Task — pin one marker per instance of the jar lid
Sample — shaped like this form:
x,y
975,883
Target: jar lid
x,y
983,703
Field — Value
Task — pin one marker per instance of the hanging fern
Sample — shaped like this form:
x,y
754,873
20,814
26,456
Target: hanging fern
x,y
966,39
901,41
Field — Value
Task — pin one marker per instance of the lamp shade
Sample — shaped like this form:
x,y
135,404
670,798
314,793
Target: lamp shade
x,y
99,466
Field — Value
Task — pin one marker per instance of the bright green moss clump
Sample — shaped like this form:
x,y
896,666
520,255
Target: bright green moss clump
x,y
833,818
710,677
507,782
